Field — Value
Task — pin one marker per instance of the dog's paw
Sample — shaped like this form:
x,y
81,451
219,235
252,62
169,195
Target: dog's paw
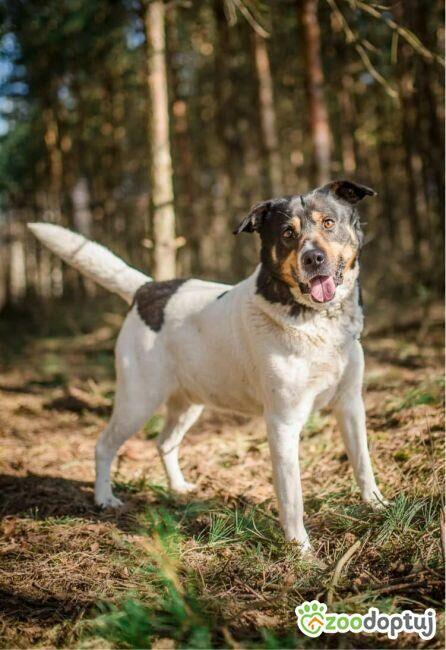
x,y
376,501
307,554
303,543
184,487
109,502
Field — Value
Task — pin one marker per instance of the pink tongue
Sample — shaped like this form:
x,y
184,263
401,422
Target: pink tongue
x,y
322,288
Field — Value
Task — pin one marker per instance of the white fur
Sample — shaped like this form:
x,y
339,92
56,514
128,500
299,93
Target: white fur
x,y
91,259
238,353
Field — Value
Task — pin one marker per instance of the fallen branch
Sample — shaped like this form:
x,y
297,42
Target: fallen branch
x,y
339,567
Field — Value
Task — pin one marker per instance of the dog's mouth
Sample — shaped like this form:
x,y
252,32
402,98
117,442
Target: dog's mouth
x,y
322,288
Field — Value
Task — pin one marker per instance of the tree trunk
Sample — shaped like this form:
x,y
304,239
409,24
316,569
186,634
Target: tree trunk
x,y
317,109
347,124
55,164
164,250
268,114
17,271
430,130
385,156
408,135
222,199
186,193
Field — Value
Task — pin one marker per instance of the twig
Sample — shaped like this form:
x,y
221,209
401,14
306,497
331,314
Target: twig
x,y
351,37
344,516
405,33
250,589
247,14
254,506
339,567
399,587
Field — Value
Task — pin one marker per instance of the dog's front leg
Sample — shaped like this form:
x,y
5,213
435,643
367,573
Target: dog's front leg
x,y
350,414
283,438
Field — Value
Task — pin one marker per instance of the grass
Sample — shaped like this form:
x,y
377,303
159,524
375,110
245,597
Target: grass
x,y
153,426
210,570
243,542
174,611
430,392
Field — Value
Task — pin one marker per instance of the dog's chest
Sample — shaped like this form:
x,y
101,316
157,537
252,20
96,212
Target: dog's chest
x,y
312,371
325,372
311,357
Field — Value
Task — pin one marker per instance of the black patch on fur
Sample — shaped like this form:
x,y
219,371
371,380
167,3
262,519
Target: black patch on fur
x,y
151,300
221,295
360,300
276,291
348,191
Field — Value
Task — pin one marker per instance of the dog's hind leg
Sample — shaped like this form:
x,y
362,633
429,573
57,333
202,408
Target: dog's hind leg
x,y
123,424
180,417
134,404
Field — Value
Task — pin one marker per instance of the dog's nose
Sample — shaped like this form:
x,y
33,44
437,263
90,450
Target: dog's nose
x,y
313,258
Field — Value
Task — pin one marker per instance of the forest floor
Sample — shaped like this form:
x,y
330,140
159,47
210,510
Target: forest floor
x,y
210,570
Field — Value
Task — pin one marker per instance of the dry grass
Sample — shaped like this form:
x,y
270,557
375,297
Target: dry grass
x,y
212,570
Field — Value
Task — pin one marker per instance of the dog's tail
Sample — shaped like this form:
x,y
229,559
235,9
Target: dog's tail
x,y
91,259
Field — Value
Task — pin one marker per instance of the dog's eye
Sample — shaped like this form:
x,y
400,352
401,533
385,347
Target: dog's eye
x,y
287,233
328,223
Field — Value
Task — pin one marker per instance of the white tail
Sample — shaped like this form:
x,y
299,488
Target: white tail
x,y
91,259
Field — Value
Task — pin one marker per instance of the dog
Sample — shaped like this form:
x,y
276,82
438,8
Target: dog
x,y
282,342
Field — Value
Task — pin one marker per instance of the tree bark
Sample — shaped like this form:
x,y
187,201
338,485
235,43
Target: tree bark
x,y
17,272
268,114
348,122
183,159
408,136
223,197
52,142
164,250
317,108
385,156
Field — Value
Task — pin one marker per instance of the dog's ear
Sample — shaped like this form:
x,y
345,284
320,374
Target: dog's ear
x,y
255,218
348,191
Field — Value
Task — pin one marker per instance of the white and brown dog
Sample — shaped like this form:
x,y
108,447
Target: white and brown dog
x,y
281,343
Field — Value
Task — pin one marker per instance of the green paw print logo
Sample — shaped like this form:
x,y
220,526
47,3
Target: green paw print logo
x,y
311,617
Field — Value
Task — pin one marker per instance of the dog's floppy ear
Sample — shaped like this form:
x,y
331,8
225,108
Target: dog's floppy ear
x,y
254,220
348,191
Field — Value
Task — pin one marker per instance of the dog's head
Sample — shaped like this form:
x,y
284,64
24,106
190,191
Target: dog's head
x,y
311,243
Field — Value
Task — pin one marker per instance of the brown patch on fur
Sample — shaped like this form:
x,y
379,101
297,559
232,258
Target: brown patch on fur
x,y
331,248
295,222
317,216
287,269
350,257
335,251
328,247
274,254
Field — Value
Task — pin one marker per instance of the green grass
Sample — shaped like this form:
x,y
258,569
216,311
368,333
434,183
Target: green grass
x,y
174,611
315,424
154,426
407,515
428,393
197,552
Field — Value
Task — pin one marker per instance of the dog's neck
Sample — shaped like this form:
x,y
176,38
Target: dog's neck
x,y
275,291
277,299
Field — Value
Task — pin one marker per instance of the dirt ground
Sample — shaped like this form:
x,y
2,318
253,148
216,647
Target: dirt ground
x,y
65,564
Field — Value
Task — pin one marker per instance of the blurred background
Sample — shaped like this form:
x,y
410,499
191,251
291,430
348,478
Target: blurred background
x,y
152,127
